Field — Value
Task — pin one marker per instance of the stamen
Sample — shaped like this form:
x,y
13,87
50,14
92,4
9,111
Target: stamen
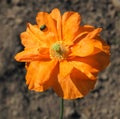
x,y
56,47
58,51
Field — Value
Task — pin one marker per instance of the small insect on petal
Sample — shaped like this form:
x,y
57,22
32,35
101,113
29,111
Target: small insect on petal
x,y
42,27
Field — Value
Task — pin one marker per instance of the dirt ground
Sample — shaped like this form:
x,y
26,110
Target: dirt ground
x,y
17,102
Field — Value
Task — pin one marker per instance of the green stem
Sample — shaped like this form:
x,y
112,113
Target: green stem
x,y
61,108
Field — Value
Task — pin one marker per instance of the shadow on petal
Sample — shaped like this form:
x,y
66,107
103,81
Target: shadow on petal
x,y
82,82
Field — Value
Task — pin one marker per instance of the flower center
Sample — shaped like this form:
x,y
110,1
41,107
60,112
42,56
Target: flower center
x,y
58,51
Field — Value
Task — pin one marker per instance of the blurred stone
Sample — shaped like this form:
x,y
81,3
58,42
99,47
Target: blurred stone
x,y
10,14
15,2
115,118
86,114
8,1
104,77
104,111
69,111
18,21
116,4
45,117
75,1
95,95
14,112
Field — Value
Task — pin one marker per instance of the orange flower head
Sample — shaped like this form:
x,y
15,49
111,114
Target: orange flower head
x,y
63,55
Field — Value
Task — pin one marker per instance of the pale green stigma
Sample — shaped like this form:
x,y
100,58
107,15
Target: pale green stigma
x,y
56,47
58,51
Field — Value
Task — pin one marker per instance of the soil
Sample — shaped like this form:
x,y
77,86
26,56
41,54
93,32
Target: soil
x,y
17,102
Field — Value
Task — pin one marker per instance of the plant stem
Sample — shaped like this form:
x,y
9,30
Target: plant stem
x,y
61,108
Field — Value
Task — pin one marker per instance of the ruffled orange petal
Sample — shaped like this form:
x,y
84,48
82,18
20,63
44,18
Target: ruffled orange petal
x,y
46,19
43,39
87,28
90,45
70,26
83,31
29,40
65,69
40,74
56,15
33,54
98,61
75,85
89,71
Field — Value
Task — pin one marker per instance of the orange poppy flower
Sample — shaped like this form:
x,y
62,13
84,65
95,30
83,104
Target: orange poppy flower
x,y
62,55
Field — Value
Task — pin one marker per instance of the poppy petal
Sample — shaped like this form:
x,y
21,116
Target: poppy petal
x,y
38,78
89,71
28,40
90,45
98,61
56,15
45,39
83,30
65,69
75,85
70,26
33,54
46,19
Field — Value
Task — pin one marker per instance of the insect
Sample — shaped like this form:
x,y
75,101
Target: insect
x,y
42,27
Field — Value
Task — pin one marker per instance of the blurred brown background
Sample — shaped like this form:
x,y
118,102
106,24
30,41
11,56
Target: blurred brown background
x,y
17,102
